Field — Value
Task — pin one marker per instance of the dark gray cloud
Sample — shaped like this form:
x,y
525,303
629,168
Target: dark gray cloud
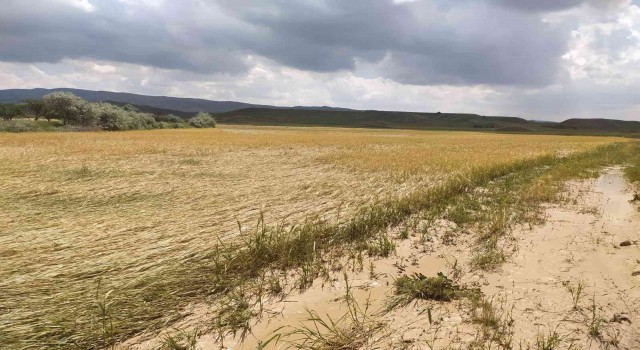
x,y
469,42
50,30
541,5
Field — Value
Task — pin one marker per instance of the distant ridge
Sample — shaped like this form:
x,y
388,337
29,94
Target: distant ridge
x,y
371,119
231,112
437,121
189,105
601,124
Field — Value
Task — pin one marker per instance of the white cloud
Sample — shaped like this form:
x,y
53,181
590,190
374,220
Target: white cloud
x,y
84,5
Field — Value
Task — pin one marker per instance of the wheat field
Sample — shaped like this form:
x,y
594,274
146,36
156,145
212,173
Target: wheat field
x,y
78,208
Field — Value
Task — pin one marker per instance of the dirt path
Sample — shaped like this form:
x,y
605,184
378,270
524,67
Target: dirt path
x,y
579,248
569,282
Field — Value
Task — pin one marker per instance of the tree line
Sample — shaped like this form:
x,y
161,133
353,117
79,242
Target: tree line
x,y
73,110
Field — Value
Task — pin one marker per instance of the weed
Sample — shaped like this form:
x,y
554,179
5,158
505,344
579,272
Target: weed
x,y
383,246
596,323
421,287
103,305
576,293
404,233
372,270
180,341
489,257
549,341
234,317
496,325
275,287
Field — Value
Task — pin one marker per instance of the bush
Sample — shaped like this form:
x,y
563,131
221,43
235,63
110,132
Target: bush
x,y
76,113
70,108
115,118
203,120
169,118
142,120
19,125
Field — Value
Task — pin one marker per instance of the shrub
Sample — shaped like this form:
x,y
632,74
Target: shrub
x,y
10,111
169,118
19,125
70,108
113,117
142,120
203,120
79,114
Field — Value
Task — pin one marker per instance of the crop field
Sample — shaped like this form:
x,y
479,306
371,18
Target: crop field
x,y
86,213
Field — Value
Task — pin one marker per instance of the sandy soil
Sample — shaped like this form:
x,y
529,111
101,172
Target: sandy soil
x,y
579,247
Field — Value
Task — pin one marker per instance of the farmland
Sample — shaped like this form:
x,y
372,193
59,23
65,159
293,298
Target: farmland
x,y
88,213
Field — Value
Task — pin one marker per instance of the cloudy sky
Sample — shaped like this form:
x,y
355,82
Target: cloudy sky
x,y
543,59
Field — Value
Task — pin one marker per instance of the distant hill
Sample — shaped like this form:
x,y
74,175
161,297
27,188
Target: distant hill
x,y
230,112
600,125
370,119
410,120
190,105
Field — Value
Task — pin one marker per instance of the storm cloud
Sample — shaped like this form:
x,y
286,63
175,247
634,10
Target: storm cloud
x,y
509,46
417,42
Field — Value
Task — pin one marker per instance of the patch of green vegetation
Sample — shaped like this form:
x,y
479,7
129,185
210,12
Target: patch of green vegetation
x,y
576,292
550,341
27,125
421,287
234,317
180,341
65,111
383,246
495,324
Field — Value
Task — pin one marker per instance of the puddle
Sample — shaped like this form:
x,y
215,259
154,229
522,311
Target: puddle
x,y
616,202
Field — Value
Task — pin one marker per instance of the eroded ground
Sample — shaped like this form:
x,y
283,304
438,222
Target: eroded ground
x,y
573,282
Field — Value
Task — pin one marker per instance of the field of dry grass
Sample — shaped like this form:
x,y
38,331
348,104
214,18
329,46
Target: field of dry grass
x,y
116,207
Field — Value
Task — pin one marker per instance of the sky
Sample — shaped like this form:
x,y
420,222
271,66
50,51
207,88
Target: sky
x,y
536,59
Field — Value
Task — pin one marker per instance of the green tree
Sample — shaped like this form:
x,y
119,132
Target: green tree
x,y
8,112
35,106
69,107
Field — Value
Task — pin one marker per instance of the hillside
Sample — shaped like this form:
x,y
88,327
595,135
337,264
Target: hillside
x,y
601,125
410,120
373,119
190,105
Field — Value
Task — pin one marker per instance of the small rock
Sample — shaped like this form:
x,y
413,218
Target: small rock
x,y
619,318
636,273
625,243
